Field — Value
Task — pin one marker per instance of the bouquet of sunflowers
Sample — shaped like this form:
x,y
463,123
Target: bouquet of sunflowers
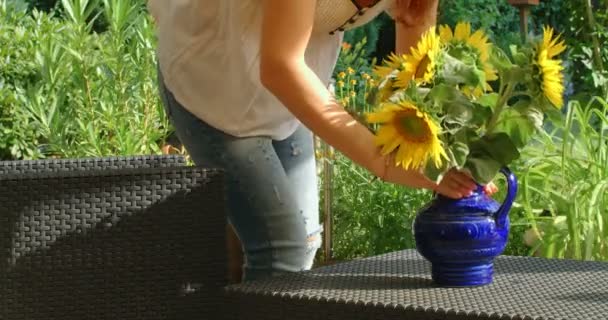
x,y
457,101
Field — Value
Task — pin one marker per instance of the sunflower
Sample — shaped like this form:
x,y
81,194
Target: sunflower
x,y
403,127
420,64
552,83
476,43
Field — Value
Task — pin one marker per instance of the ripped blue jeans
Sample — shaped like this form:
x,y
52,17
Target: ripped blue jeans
x,y
272,190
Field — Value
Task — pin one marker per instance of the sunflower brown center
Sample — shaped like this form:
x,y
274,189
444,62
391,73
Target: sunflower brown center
x,y
422,67
412,127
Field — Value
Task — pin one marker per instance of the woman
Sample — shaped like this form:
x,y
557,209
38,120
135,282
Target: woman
x,y
245,82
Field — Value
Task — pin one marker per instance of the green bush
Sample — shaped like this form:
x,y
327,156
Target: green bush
x,y
71,92
19,69
585,33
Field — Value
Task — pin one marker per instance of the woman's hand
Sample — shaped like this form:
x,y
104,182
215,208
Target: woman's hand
x,y
456,184
412,19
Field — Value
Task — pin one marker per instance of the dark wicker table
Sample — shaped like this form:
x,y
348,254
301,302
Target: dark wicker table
x,y
398,286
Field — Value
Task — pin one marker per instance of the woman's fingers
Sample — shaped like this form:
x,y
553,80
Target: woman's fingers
x,y
448,191
490,188
462,179
456,184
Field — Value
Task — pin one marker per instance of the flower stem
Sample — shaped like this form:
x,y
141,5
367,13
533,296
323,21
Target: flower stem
x,y
520,93
500,106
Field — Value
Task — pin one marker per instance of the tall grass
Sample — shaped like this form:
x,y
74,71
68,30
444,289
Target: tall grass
x,y
564,187
76,92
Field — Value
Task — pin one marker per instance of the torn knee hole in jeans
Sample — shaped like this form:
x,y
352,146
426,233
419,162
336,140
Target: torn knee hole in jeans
x,y
313,242
313,238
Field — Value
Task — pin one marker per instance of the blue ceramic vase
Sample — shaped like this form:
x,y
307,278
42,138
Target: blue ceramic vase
x,y
462,237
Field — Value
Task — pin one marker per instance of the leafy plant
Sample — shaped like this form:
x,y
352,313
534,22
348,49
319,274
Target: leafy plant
x,y
84,93
18,133
370,217
564,186
587,30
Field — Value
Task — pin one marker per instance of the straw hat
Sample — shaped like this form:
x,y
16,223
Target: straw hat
x,y
340,15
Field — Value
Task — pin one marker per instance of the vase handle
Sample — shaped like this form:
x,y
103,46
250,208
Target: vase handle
x,y
502,213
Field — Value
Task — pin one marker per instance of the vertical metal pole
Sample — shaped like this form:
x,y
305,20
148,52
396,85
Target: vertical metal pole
x,y
327,200
524,14
326,158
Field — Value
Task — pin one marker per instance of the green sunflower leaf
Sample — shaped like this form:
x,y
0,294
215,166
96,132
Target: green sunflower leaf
x,y
500,60
519,56
483,168
488,100
457,109
460,152
516,74
432,172
458,72
531,112
481,114
488,154
520,122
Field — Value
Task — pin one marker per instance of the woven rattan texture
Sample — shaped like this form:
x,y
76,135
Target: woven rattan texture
x,y
85,164
398,286
117,244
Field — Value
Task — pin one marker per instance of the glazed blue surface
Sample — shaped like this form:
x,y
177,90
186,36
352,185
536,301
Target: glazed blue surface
x,y
462,237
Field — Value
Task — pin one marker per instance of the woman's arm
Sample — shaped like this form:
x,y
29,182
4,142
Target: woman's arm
x,y
412,19
286,30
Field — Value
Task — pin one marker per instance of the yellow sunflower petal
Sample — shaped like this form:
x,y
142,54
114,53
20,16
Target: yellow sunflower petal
x,y
382,71
551,44
490,73
386,114
462,31
389,144
552,79
391,63
385,135
445,33
479,41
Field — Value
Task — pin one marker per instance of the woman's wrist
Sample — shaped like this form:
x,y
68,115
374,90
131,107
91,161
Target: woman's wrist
x,y
410,178
379,166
